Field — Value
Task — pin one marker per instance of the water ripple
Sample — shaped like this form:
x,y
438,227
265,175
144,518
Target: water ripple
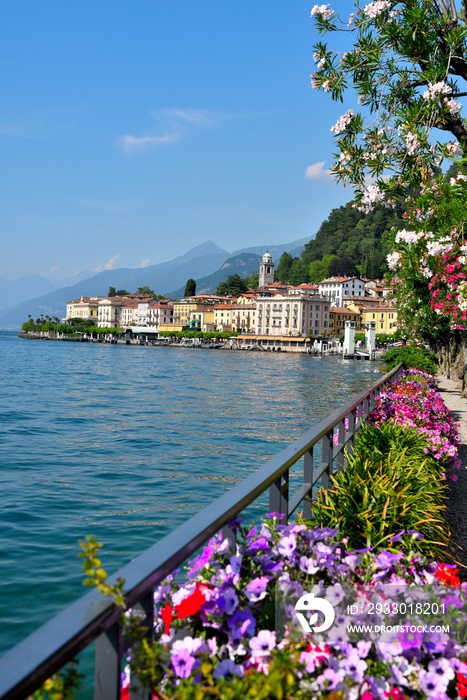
x,y
126,443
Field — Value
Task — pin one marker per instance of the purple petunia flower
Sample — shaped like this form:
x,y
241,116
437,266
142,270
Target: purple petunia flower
x,y
386,559
432,683
259,543
203,559
228,601
227,668
442,668
183,663
263,643
308,565
287,546
354,667
409,639
268,564
256,589
335,594
241,623
329,679
435,642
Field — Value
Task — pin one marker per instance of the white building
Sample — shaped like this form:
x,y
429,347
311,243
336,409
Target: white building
x,y
109,312
292,316
129,313
159,313
337,289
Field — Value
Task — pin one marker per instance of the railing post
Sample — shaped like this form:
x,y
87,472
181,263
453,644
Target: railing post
x,y
146,605
279,496
108,665
365,409
308,479
351,429
340,460
229,534
326,451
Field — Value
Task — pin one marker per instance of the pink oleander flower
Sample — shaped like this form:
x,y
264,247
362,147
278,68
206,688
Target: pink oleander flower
x,y
323,11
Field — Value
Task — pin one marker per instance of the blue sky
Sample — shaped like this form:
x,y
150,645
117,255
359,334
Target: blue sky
x,y
131,131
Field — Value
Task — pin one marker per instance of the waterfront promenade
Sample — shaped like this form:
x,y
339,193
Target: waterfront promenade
x,y
457,497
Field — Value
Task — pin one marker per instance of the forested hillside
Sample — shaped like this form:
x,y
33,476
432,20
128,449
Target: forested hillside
x,y
349,242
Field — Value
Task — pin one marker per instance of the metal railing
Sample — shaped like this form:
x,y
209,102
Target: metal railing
x,y
93,617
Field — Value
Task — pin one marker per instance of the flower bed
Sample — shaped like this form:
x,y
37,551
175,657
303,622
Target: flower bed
x,y
413,402
230,630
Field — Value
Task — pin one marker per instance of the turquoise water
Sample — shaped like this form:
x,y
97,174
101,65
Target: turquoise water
x,y
126,442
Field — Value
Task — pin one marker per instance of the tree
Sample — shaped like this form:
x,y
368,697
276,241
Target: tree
x,y
407,63
117,292
146,290
342,266
298,272
284,266
190,288
233,286
362,237
318,269
252,281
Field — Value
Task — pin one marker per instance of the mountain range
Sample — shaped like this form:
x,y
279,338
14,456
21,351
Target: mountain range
x,y
207,263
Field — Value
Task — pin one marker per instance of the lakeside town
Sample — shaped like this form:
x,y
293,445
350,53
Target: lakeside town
x,y
285,315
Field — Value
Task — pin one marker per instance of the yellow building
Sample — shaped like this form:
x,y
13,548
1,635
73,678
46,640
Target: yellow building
x,y
84,308
385,317
338,316
223,317
182,310
202,319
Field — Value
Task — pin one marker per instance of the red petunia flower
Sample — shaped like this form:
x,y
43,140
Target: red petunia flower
x,y
167,615
461,685
447,575
192,604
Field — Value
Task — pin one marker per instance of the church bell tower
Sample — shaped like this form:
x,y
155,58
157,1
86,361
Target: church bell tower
x,y
266,270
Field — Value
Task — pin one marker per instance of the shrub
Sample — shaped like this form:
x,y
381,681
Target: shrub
x,y
389,484
411,356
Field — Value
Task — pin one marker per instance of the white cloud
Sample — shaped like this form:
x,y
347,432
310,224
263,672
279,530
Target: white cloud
x,y
318,172
110,264
133,143
54,268
174,123
145,263
198,117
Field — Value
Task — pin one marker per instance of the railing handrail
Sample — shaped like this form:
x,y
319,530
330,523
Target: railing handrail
x,y
27,665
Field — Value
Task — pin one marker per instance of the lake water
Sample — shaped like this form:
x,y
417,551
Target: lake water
x,y
126,442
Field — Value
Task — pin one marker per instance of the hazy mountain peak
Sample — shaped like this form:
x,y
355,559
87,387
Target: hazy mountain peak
x,y
206,248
